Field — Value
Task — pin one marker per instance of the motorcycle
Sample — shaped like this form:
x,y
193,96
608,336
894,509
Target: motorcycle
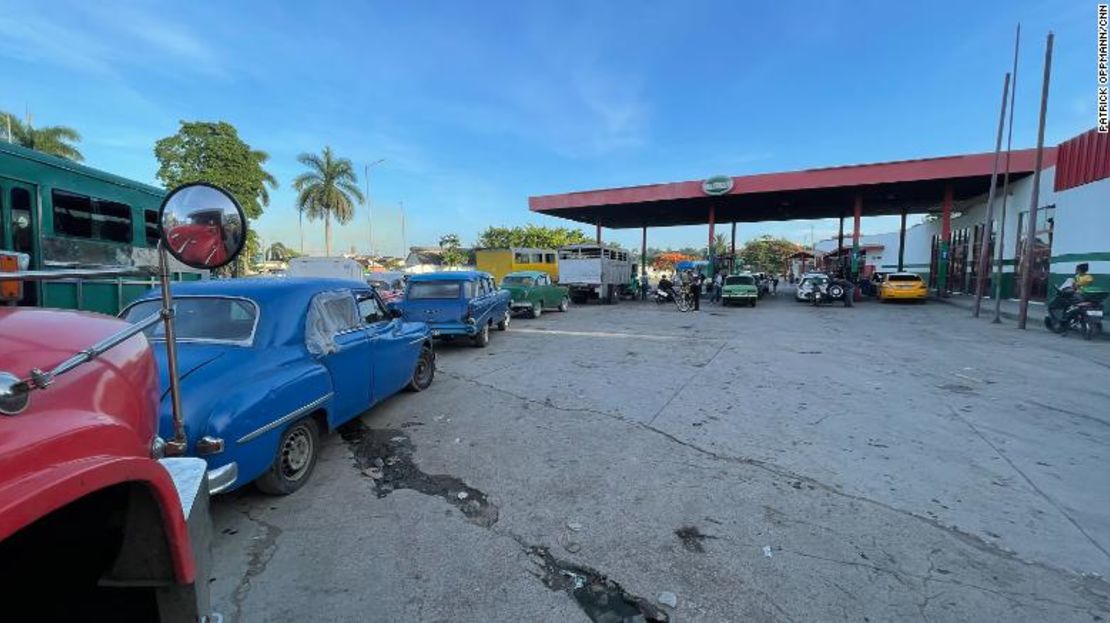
x,y
671,295
830,291
1070,310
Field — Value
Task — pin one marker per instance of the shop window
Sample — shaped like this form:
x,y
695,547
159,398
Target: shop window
x,y
72,214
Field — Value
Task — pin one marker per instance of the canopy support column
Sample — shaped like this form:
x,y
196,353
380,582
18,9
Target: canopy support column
x,y
643,264
597,236
857,213
712,226
902,243
840,245
945,242
733,267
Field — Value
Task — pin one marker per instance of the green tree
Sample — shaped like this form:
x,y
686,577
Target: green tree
x,y
767,253
452,254
212,152
721,245
535,236
56,140
328,190
280,253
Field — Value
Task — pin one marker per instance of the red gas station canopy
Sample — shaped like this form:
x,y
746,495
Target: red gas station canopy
x,y
884,188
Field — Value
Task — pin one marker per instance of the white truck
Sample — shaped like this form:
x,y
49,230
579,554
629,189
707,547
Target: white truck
x,y
594,271
333,267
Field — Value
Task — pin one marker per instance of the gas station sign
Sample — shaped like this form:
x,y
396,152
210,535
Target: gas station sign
x,y
717,185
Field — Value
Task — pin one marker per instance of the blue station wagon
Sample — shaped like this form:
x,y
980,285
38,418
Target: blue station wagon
x,y
454,303
268,365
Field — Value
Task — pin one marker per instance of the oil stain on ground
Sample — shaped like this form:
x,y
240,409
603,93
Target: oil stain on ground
x,y
600,598
692,538
385,455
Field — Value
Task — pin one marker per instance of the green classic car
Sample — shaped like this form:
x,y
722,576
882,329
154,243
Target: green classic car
x,y
740,288
533,291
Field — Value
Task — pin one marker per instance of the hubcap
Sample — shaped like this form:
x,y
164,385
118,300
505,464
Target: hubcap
x,y
296,453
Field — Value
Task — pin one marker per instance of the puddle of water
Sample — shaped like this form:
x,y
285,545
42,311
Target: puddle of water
x,y
692,538
600,598
388,452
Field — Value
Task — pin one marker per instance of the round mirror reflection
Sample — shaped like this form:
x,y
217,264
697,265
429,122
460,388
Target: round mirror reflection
x,y
202,226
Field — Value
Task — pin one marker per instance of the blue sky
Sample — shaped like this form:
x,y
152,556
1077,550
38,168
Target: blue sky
x,y
477,105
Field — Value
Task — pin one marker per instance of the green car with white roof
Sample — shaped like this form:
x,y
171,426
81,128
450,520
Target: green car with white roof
x,y
740,289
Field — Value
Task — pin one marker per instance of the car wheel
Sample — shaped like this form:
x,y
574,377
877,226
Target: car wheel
x,y
564,304
537,310
752,303
836,291
425,371
503,324
294,460
1087,329
481,339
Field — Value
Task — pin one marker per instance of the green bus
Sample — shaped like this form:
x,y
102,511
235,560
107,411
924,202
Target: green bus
x,y
64,215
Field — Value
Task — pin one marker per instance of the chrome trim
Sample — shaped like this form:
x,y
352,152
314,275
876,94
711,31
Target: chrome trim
x,y
286,418
221,478
200,340
158,448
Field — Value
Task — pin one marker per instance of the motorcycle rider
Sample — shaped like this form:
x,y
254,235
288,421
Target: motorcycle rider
x,y
1069,292
666,286
1082,277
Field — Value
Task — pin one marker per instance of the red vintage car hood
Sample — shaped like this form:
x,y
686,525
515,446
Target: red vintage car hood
x,y
42,338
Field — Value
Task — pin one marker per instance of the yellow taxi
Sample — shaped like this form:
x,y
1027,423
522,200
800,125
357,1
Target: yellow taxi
x,y
903,286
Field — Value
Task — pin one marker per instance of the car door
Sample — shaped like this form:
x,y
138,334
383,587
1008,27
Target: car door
x,y
480,300
344,349
546,291
392,356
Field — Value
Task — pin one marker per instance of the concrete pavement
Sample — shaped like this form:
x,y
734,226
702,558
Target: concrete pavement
x,y
782,463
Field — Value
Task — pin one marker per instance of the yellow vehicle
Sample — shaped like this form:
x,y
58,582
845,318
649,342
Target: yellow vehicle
x,y
903,286
500,262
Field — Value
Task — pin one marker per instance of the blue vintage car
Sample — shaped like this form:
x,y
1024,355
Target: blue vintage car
x,y
268,365
457,303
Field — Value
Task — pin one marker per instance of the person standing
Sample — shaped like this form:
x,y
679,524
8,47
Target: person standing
x,y
695,290
774,284
718,285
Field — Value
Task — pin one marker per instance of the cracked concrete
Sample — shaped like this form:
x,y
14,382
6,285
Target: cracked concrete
x,y
881,495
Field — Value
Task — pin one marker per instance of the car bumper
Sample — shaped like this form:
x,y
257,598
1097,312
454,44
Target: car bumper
x,y
222,478
905,294
439,330
521,305
747,295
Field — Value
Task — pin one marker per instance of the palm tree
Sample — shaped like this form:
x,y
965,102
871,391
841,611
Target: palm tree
x,y
329,189
56,140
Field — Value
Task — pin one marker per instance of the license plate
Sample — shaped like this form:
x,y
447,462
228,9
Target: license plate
x,y
1095,313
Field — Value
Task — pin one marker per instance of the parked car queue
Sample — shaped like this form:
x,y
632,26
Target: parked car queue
x,y
272,364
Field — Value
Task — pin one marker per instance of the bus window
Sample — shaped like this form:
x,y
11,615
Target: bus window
x,y
549,258
152,229
113,221
72,214
537,258
23,235
520,258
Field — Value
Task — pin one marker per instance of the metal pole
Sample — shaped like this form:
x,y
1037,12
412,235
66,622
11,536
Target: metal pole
x,y
840,244
988,220
945,241
1005,183
1027,261
643,264
597,235
902,243
712,225
858,212
177,445
733,267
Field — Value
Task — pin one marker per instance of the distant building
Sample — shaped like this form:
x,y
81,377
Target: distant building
x,y
430,259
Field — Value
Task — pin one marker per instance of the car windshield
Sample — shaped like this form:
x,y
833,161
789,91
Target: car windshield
x,y
739,280
903,278
206,318
518,281
434,290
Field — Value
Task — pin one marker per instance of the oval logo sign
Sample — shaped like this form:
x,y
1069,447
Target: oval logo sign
x,y
717,185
